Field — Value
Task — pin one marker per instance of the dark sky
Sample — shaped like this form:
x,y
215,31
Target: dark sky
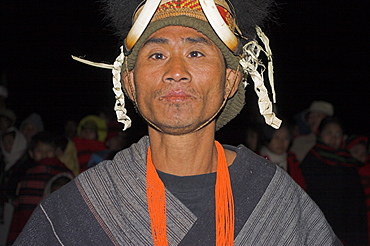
x,y
320,52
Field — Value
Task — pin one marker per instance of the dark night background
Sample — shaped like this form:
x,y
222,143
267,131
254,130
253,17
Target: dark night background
x,y
320,53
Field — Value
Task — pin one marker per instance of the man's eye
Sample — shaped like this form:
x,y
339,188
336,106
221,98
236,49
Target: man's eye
x,y
195,54
157,56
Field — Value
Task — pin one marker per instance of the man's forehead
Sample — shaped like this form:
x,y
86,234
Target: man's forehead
x,y
183,34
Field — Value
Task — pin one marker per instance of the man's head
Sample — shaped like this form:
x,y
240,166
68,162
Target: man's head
x,y
180,80
215,21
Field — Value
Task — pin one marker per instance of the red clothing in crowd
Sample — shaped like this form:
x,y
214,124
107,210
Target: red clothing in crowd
x,y
85,148
31,192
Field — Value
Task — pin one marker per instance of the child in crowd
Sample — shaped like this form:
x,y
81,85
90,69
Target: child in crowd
x,y
44,167
91,134
31,125
275,148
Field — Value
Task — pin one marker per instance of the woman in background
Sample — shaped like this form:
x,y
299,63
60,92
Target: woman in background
x,y
334,184
275,148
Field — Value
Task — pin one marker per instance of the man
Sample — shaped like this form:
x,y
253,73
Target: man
x,y
178,186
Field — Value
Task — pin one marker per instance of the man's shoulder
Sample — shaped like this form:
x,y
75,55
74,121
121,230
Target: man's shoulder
x,y
250,162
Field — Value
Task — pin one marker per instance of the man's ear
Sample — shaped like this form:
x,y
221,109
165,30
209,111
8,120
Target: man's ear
x,y
128,84
233,79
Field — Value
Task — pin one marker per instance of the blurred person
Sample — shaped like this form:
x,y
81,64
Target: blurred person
x,y
275,148
3,96
44,167
114,143
70,129
7,119
31,125
66,152
13,167
357,145
91,134
317,111
253,137
333,182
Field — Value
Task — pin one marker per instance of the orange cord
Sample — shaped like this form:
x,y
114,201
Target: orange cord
x,y
156,203
156,197
224,202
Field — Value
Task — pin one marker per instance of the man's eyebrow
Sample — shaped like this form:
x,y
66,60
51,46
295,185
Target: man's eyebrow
x,y
156,41
197,40
193,40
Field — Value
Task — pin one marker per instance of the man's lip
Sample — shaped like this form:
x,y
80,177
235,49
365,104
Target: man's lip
x,y
176,95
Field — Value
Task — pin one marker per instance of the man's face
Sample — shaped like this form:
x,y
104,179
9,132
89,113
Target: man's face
x,y
179,79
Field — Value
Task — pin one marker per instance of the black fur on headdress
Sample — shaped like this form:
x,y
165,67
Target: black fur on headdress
x,y
118,14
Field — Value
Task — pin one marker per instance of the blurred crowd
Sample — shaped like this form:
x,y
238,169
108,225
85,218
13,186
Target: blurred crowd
x,y
34,162
330,165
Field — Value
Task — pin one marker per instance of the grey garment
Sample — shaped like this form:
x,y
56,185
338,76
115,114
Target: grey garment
x,y
107,205
63,219
286,215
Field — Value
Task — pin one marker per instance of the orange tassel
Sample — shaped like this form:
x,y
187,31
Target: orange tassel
x,y
224,201
156,203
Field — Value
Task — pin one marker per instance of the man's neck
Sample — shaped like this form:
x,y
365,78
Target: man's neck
x,y
184,155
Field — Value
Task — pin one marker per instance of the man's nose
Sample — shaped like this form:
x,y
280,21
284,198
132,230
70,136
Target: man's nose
x,y
177,71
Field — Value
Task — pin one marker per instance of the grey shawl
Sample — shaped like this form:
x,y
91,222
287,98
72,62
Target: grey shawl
x,y
270,208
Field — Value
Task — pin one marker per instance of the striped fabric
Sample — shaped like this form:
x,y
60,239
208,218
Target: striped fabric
x,y
115,194
31,192
285,215
330,156
106,205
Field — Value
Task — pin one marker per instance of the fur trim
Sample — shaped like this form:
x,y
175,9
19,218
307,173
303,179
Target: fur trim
x,y
249,14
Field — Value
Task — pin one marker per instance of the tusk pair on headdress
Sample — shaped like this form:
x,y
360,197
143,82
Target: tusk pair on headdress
x,y
210,10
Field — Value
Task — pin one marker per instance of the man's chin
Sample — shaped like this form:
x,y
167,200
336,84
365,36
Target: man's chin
x,y
178,130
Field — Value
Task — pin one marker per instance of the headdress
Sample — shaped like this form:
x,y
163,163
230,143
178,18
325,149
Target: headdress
x,y
214,18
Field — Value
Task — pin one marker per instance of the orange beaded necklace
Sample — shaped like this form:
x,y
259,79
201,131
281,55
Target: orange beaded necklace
x,y
223,196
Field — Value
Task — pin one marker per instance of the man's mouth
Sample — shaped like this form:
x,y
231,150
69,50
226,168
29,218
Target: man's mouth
x,y
177,95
